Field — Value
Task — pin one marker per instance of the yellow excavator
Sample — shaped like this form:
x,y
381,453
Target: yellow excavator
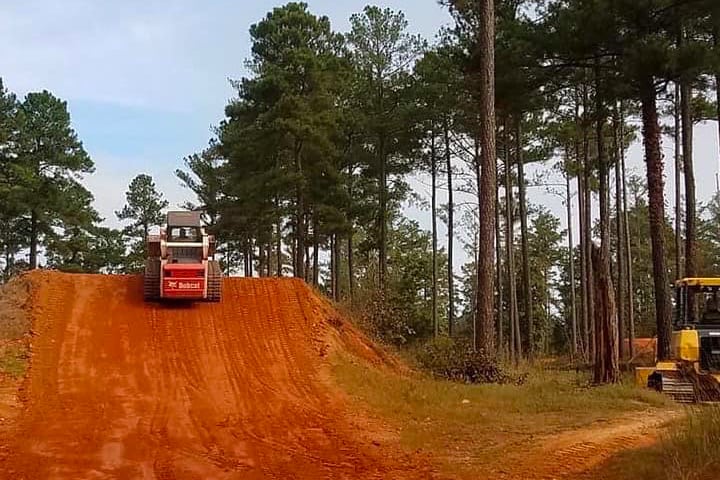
x,y
692,374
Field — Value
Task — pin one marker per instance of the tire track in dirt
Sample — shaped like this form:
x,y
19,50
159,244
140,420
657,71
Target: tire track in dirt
x,y
125,390
576,454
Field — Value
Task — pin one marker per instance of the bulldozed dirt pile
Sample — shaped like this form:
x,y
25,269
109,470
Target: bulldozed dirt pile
x,y
126,390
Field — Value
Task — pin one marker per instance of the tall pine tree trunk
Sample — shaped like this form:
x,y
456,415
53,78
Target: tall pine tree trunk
x,y
580,148
383,214
499,281
656,208
587,226
451,232
510,251
351,265
607,365
278,240
337,287
500,321
690,228
571,258
626,234
619,240
689,174
605,318
433,174
33,239
678,184
527,288
299,263
316,252
485,328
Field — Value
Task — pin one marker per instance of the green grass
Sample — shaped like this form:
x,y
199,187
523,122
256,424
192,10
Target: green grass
x,y
693,448
453,420
13,360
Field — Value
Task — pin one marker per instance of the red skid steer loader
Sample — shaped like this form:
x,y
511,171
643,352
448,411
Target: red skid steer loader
x,y
181,262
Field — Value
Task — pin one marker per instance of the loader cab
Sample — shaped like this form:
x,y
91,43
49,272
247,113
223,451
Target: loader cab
x,y
696,336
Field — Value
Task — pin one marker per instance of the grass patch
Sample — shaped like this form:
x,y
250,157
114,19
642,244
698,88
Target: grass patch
x,y
13,360
689,450
693,448
475,423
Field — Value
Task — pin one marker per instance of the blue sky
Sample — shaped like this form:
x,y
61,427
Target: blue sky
x,y
146,82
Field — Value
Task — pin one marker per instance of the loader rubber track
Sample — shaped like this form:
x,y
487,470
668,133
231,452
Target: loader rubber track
x,y
215,280
151,280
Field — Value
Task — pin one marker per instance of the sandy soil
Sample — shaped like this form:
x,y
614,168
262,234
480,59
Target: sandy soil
x,y
124,390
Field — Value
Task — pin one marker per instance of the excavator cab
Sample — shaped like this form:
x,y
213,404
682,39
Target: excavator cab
x,y
693,372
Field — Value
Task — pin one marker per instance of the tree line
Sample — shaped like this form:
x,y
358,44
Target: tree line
x,y
322,147
313,160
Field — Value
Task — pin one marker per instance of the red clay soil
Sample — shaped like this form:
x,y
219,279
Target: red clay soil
x,y
125,390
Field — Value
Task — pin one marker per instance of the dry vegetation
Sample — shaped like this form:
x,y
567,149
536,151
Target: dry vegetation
x,y
471,427
689,450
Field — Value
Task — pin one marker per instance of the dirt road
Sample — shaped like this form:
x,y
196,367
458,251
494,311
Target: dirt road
x,y
124,390
580,454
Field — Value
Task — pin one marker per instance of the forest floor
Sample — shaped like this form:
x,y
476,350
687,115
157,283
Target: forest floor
x,y
274,383
553,427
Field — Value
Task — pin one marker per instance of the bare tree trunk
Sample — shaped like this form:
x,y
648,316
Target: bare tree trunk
x,y
351,266
485,331
499,282
607,365
34,239
603,280
626,236
587,226
690,228
620,290
527,297
571,258
433,174
278,241
678,185
316,252
582,146
510,246
498,261
308,269
383,214
299,264
656,208
451,232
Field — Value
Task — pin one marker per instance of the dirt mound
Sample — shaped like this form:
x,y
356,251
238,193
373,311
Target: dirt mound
x,y
14,320
236,390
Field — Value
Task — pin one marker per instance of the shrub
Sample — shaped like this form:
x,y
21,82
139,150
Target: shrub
x,y
456,360
385,320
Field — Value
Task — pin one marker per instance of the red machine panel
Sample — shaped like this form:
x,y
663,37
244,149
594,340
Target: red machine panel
x,y
184,281
183,287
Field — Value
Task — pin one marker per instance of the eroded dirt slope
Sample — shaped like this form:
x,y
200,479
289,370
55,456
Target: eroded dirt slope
x,y
122,389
